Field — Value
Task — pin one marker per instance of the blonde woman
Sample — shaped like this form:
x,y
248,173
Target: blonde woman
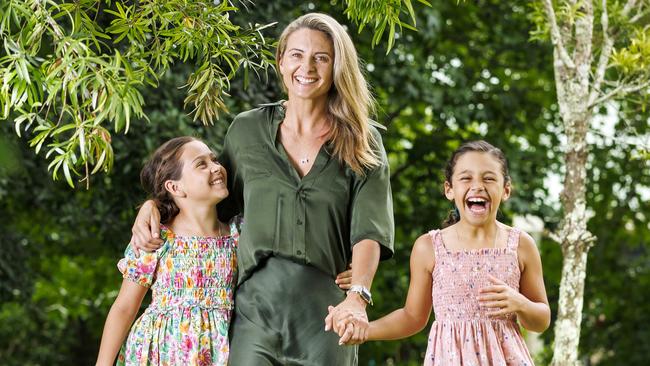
x,y
311,178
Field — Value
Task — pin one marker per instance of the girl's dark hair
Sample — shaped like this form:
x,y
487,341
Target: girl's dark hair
x,y
164,165
472,146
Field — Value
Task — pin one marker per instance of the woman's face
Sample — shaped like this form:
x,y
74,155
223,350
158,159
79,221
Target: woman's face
x,y
307,64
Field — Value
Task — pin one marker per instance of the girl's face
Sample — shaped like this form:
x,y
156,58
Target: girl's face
x,y
477,187
307,64
203,179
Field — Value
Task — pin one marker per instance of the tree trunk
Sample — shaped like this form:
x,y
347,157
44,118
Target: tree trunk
x,y
573,87
575,245
573,95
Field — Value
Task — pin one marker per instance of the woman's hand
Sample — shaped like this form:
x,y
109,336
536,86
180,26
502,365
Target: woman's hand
x,y
344,279
349,320
500,298
146,229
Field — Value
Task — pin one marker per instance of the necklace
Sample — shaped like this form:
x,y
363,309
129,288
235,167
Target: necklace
x,y
300,142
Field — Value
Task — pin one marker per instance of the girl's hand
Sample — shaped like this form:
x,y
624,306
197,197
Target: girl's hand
x,y
351,326
146,229
344,279
500,298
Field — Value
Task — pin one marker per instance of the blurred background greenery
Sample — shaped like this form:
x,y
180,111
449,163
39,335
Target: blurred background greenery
x,y
470,72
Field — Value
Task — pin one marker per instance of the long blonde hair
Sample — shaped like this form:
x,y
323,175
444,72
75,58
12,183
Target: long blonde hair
x,y
349,102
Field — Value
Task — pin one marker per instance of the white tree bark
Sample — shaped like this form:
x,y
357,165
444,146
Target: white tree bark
x,y
579,78
572,82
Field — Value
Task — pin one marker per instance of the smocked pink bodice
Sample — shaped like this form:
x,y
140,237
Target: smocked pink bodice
x,y
462,333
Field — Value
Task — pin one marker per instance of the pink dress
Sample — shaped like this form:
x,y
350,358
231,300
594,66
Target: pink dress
x,y
463,334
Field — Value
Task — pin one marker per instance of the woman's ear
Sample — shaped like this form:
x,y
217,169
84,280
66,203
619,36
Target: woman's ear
x,y
175,188
449,191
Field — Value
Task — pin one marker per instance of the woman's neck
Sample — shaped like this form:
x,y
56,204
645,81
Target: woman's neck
x,y
197,220
306,117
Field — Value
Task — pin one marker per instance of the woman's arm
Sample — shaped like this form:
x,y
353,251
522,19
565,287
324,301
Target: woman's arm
x,y
413,317
146,228
119,320
349,319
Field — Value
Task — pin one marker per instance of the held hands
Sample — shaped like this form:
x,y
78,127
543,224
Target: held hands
x,y
349,320
500,298
146,229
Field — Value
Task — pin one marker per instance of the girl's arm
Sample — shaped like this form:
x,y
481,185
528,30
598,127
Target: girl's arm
x,y
530,303
413,317
119,320
534,314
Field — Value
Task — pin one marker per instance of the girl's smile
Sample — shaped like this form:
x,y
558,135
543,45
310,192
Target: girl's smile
x,y
478,187
203,178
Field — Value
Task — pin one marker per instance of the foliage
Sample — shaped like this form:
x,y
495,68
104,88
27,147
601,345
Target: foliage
x,y
73,72
469,72
383,15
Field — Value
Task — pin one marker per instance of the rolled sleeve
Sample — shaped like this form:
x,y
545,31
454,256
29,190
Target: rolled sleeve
x,y
372,209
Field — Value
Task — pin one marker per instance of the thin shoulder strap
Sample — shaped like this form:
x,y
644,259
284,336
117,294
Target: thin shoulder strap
x,y
436,242
513,238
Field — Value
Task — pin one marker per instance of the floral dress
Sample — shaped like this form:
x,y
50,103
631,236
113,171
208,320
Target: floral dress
x,y
192,280
463,333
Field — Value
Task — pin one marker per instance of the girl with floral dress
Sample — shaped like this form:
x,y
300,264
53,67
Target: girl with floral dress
x,y
479,275
192,276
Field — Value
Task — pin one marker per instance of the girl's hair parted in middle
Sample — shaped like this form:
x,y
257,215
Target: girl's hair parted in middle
x,y
472,146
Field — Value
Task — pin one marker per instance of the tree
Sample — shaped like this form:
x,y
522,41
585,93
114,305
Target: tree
x,y
73,72
601,52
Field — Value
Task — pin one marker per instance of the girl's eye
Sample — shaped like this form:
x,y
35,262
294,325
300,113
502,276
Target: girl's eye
x,y
296,55
215,160
322,59
489,179
464,178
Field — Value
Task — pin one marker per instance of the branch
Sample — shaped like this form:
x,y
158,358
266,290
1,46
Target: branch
x,y
628,7
605,53
621,90
556,37
584,34
641,12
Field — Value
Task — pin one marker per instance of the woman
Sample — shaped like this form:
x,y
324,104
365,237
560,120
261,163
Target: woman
x,y
311,178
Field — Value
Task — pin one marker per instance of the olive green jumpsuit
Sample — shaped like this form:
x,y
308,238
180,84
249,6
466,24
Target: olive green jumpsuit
x,y
297,234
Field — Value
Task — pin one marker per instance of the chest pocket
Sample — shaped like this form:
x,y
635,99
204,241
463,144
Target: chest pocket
x,y
256,162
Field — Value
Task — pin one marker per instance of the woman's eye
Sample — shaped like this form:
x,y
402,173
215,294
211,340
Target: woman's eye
x,y
322,59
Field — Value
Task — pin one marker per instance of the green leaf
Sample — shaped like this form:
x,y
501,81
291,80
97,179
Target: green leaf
x,y
66,172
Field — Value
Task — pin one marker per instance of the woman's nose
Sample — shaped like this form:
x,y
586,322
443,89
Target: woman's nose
x,y
307,63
